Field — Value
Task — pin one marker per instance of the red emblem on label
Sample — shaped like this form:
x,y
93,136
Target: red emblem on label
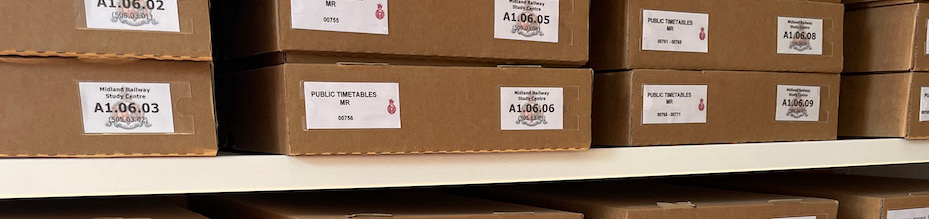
x,y
391,108
380,14
701,106
702,34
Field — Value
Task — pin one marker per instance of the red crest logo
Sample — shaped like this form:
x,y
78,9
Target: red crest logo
x,y
701,106
380,14
391,108
702,34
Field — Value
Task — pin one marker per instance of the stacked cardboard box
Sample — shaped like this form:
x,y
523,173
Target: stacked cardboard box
x,y
313,77
887,71
639,200
363,204
746,71
100,208
859,197
101,80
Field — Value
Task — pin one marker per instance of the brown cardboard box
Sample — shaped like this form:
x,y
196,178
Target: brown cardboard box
x,y
697,107
61,28
860,197
392,204
716,35
404,109
624,200
101,208
46,113
417,30
887,39
884,105
852,4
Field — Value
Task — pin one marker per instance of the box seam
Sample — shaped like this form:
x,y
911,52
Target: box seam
x,y
439,152
110,154
41,53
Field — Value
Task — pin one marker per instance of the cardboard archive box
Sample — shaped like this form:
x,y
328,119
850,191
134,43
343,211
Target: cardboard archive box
x,y
101,79
887,39
94,208
67,107
853,4
889,56
360,204
860,197
668,107
649,200
325,109
754,35
885,105
550,32
173,30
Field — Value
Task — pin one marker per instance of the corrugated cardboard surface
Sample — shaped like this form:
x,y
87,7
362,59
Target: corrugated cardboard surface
x,y
741,108
877,105
419,29
861,197
625,200
52,28
445,108
363,204
852,4
886,39
883,105
109,208
742,36
40,106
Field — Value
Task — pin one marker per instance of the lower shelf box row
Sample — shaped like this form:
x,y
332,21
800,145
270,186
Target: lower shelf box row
x,y
59,107
779,196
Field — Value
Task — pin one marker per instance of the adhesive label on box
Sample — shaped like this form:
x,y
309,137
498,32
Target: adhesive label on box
x,y
353,16
118,108
675,31
351,105
912,213
801,217
528,20
799,36
797,103
924,104
531,108
138,15
674,104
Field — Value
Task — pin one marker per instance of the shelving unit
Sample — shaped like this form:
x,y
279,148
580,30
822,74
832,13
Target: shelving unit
x,y
38,178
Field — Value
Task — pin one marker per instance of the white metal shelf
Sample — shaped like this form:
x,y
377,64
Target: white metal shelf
x,y
35,178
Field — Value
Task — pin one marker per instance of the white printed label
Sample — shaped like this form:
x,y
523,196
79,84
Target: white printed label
x,y
529,20
353,16
799,36
924,104
675,31
349,105
797,103
672,104
912,213
139,15
531,108
114,108
802,217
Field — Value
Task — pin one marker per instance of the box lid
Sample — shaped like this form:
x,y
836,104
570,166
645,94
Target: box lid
x,y
459,31
394,204
655,200
861,196
853,4
34,32
93,208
